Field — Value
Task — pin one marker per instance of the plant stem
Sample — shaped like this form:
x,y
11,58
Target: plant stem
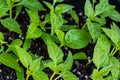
x,y
115,51
27,77
10,12
58,77
52,76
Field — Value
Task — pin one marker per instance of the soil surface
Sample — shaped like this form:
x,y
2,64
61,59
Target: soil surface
x,y
38,47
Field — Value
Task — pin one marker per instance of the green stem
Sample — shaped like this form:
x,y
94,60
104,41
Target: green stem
x,y
52,76
27,77
89,62
58,77
10,12
115,51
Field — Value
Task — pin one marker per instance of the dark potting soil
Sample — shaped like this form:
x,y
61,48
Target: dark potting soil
x,y
39,48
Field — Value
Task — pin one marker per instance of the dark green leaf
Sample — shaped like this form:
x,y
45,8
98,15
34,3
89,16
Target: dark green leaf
x,y
33,4
11,24
62,8
67,75
102,48
80,55
9,60
33,31
18,10
40,75
67,27
25,57
76,38
27,44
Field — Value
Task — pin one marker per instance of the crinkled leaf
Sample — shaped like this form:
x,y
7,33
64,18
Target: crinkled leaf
x,y
35,65
101,49
62,8
40,75
77,38
94,30
11,24
34,17
10,61
80,55
33,31
25,57
89,12
33,4
67,75
54,51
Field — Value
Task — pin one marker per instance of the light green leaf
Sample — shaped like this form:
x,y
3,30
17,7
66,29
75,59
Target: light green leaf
x,y
9,60
61,36
114,62
55,53
58,1
33,4
40,75
49,5
67,75
25,57
62,8
67,64
102,48
76,38
27,44
11,24
1,36
33,31
96,75
35,65
115,15
3,8
89,12
34,17
105,70
20,75
16,42
94,30
80,55
74,16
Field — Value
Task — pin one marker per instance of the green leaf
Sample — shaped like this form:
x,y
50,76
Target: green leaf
x,y
49,5
67,64
102,7
89,12
113,34
34,17
33,4
96,75
18,10
76,38
33,31
102,48
55,53
35,65
67,27
27,44
80,55
16,42
58,0
67,75
61,36
105,70
3,8
1,36
9,60
56,22
94,30
11,24
20,75
115,15
74,16
25,57
62,8
114,62
40,75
